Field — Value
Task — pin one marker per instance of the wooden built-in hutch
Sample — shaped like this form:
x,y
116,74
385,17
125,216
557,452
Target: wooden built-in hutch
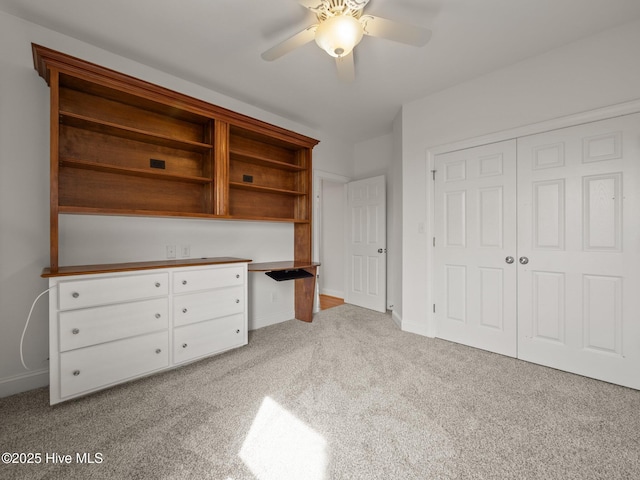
x,y
123,146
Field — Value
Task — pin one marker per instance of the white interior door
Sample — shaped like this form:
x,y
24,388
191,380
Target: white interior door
x,y
475,221
366,277
579,229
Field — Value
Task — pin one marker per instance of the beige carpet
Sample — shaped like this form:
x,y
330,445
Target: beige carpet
x,y
349,396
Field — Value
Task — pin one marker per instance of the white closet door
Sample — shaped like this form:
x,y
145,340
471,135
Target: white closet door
x,y
579,229
475,225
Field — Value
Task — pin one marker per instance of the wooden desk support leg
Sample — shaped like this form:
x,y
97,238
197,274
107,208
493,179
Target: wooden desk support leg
x,y
305,293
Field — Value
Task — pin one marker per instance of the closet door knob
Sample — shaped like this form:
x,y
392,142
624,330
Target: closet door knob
x,y
158,315
75,331
76,373
238,331
158,350
237,300
184,310
237,275
509,260
184,345
184,282
75,294
524,260
157,284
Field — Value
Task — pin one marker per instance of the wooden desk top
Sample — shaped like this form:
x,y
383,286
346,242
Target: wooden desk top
x,y
287,265
127,267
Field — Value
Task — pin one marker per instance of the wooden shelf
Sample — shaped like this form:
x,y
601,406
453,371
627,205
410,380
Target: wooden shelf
x,y
256,159
115,87
269,219
99,126
258,188
268,178
75,163
73,210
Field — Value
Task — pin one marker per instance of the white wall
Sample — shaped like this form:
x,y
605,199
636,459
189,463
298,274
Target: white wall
x,y
595,72
332,239
372,157
24,204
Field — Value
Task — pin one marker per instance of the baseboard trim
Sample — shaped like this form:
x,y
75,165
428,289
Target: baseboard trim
x,y
332,293
271,319
397,319
417,328
24,382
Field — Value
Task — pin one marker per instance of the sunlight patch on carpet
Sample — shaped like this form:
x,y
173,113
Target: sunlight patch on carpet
x,y
279,446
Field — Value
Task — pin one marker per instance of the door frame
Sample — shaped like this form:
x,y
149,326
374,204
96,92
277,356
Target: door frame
x,y
320,176
612,111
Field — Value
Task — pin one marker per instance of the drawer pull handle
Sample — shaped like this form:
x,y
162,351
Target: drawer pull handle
x,y
158,350
157,284
184,345
76,373
158,315
184,282
238,331
184,310
75,331
237,275
75,294
237,300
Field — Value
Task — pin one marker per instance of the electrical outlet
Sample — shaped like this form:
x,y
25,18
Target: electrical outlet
x,y
171,251
185,251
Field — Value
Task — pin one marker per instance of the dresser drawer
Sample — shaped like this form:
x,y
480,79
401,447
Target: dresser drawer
x,y
90,326
205,338
194,280
108,363
103,291
195,307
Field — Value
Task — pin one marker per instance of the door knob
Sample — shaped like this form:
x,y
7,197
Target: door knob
x,y
509,260
524,260
382,250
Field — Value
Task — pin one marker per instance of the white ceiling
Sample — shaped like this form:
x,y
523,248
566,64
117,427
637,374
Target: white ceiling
x,y
217,44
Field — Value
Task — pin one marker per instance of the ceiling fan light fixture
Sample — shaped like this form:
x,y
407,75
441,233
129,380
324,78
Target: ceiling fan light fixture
x,y
338,35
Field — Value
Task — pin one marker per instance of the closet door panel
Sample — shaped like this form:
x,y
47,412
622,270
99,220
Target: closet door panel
x,y
579,228
474,286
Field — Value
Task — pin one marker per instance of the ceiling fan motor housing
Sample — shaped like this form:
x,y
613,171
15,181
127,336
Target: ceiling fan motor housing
x,y
332,8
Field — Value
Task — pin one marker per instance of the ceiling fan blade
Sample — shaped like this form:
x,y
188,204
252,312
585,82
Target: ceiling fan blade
x,y
298,40
398,32
346,68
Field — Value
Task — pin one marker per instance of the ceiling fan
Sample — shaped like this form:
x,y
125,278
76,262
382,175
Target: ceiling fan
x,y
341,25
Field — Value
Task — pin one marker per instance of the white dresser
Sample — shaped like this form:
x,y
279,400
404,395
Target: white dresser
x,y
109,324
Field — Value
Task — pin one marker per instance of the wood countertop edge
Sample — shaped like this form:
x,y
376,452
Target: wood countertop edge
x,y
133,266
285,265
